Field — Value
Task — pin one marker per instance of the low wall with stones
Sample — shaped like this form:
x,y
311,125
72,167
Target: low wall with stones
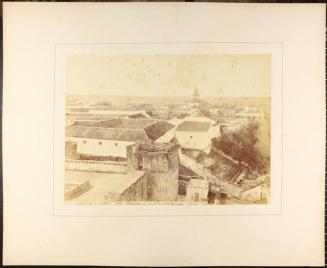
x,y
96,166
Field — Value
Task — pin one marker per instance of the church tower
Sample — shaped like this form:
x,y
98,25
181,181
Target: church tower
x,y
196,94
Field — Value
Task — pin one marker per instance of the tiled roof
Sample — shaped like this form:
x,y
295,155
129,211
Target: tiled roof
x,y
137,123
115,122
90,117
152,128
194,126
184,171
157,130
119,134
139,115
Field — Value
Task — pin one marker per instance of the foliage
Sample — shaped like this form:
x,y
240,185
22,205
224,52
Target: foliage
x,y
242,145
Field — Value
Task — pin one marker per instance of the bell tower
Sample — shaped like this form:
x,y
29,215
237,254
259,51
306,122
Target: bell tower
x,y
196,94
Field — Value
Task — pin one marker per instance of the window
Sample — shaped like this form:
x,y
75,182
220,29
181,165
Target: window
x,y
84,142
191,137
196,197
100,142
116,143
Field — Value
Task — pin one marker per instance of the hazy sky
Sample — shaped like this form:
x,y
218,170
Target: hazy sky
x,y
244,75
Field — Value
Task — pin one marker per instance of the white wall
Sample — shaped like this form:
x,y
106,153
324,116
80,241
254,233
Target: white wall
x,y
107,148
193,139
250,115
200,140
191,191
214,131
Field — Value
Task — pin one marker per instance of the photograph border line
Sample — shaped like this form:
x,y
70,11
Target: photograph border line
x,y
166,215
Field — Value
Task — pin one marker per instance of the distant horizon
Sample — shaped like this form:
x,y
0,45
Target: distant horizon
x,y
148,96
164,75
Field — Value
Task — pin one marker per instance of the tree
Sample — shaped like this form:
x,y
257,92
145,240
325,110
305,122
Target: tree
x,y
242,146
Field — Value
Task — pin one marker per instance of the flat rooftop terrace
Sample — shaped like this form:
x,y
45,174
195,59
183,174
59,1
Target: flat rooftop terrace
x,y
102,184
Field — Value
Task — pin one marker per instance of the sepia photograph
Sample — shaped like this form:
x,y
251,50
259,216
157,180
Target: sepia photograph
x,y
167,129
164,134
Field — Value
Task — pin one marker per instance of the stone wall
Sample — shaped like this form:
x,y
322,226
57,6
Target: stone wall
x,y
136,192
96,166
161,164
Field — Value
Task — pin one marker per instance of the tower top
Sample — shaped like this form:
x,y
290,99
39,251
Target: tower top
x,y
157,147
196,93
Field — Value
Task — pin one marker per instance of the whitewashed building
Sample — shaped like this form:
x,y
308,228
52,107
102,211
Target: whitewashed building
x,y
97,141
197,190
250,112
196,133
111,138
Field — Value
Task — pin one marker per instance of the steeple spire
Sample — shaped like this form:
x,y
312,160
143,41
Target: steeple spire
x,y
196,94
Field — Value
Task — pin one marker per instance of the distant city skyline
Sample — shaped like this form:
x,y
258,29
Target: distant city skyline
x,y
217,75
